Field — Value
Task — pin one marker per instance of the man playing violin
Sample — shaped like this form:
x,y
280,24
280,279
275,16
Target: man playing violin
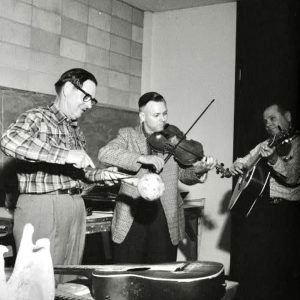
x,y
272,244
143,231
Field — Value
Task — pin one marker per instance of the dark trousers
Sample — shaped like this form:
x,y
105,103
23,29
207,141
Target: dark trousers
x,y
270,265
148,240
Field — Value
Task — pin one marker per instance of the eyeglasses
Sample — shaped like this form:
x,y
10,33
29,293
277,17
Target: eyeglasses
x,y
87,97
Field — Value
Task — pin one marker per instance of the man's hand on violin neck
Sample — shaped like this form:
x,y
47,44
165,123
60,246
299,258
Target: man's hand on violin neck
x,y
153,160
205,164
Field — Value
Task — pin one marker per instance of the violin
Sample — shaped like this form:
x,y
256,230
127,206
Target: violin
x,y
186,153
283,141
172,141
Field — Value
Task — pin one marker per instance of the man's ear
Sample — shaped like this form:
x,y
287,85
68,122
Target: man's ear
x,y
67,88
288,116
142,116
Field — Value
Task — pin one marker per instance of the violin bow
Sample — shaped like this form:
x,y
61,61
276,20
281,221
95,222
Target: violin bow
x,y
184,136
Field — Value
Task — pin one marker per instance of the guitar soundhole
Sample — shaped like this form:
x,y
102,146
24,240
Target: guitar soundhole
x,y
137,269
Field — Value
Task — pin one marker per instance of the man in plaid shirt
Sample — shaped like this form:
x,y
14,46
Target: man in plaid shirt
x,y
53,167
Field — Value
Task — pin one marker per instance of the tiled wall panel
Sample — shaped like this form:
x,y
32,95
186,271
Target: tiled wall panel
x,y
40,39
74,30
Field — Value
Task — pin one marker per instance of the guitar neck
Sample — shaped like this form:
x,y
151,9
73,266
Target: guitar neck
x,y
81,270
255,161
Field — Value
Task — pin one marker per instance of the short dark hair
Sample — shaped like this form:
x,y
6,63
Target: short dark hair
x,y
280,107
150,96
77,76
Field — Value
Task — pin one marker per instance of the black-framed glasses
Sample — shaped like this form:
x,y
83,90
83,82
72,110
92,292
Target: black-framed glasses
x,y
87,97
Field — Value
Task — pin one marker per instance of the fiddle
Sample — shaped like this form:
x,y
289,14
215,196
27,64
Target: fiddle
x,y
283,141
187,152
172,141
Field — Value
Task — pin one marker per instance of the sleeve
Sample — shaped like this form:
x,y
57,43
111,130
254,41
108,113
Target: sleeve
x,y
116,152
23,140
188,176
288,167
250,158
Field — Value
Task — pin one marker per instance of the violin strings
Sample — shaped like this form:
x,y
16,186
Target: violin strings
x,y
184,136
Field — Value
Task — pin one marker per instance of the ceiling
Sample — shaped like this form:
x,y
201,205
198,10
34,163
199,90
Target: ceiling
x,y
163,5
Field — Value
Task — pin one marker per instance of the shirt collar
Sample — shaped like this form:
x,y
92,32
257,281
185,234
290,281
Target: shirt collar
x,y
143,130
61,117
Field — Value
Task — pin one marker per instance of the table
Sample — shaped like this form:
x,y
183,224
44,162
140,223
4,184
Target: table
x,y
6,237
100,223
193,210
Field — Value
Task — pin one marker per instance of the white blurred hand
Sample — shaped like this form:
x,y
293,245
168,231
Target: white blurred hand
x,y
79,159
154,160
111,176
237,168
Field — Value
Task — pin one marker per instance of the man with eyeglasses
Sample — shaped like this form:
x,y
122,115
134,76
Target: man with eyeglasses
x,y
53,168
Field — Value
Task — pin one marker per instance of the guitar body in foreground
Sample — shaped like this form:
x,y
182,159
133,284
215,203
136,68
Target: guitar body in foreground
x,y
170,281
60,295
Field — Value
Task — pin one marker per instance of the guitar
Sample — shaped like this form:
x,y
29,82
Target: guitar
x,y
61,295
173,281
254,180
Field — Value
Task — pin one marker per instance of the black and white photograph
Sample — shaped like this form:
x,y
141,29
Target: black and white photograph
x,y
149,149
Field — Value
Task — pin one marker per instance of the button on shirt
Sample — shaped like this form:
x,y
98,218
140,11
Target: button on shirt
x,y
40,139
288,167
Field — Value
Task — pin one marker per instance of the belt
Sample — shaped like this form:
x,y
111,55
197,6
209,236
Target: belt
x,y
71,191
277,200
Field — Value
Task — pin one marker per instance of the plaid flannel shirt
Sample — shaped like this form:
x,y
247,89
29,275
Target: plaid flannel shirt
x,y
40,140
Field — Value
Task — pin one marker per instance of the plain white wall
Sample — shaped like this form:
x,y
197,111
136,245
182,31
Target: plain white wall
x,y
189,57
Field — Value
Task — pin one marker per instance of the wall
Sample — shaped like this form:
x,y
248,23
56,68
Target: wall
x,y
189,57
40,39
99,125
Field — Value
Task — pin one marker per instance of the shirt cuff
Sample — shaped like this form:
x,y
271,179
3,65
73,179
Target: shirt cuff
x,y
57,155
202,178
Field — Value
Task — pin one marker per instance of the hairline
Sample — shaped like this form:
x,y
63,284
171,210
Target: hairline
x,y
152,100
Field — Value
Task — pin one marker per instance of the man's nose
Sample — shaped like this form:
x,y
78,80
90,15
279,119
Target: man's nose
x,y
267,122
164,118
89,104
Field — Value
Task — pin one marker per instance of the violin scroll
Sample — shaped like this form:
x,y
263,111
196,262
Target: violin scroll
x,y
220,169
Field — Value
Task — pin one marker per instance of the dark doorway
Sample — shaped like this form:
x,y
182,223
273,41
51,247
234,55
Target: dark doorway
x,y
267,71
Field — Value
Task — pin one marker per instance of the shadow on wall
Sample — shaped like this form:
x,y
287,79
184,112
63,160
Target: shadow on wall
x,y
224,242
207,222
